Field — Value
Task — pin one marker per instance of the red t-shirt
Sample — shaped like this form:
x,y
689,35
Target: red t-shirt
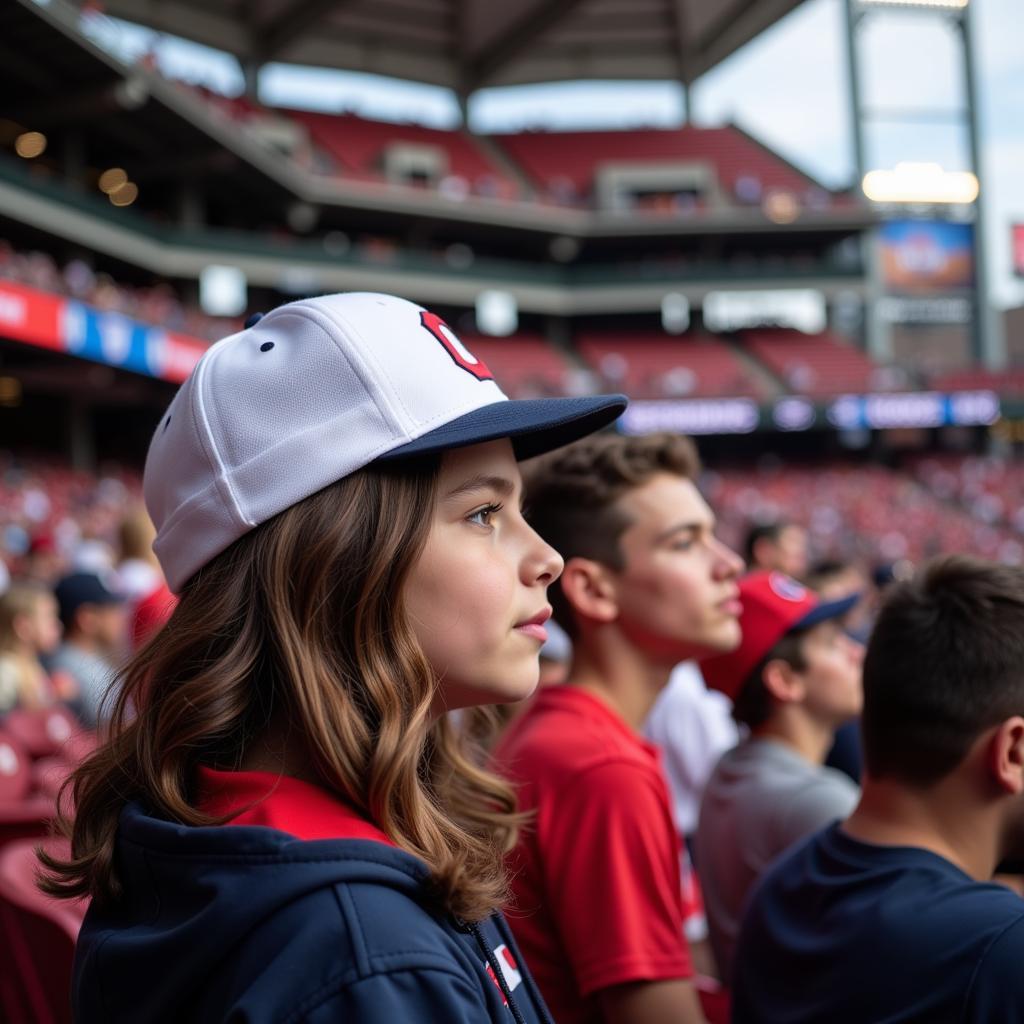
x,y
279,801
595,877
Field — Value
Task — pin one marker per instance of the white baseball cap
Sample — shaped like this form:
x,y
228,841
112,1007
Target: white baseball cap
x,y
313,391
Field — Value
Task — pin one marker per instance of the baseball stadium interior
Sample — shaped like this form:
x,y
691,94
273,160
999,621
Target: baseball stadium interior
x,y
833,356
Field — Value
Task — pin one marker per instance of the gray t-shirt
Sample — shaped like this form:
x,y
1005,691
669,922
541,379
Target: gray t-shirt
x,y
762,798
92,673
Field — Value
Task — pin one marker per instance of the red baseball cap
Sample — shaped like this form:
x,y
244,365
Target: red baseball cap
x,y
774,605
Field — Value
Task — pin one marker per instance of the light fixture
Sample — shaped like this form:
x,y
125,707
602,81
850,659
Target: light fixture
x,y
125,195
30,144
112,179
781,207
946,5
920,183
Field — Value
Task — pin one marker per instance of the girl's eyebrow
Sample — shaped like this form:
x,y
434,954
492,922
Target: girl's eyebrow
x,y
482,482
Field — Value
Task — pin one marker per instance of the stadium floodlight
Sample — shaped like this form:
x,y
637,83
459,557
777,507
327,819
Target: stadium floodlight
x,y
675,313
920,183
497,313
223,291
946,5
30,144
112,179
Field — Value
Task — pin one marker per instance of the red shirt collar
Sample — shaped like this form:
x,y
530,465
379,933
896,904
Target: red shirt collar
x,y
283,803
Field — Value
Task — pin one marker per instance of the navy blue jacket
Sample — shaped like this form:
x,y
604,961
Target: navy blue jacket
x,y
248,924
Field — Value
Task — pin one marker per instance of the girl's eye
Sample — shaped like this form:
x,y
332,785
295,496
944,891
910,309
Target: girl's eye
x,y
482,516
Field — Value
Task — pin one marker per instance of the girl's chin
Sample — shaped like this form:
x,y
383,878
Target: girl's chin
x,y
510,691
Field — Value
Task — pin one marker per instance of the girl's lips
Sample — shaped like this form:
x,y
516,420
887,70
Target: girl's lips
x,y
732,606
533,629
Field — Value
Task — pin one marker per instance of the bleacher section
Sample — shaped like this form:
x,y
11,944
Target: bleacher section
x,y
646,366
1005,382
361,148
818,365
525,365
563,165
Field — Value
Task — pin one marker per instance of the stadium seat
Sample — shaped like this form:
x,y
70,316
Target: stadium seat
x,y
45,732
563,164
813,364
661,366
37,939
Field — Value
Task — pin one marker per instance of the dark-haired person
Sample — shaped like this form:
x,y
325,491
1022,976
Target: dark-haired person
x,y
890,915
795,678
778,545
597,902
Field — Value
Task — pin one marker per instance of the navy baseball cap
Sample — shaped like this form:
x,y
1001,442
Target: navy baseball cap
x,y
81,588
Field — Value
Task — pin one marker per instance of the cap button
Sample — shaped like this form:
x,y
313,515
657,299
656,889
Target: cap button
x,y
253,320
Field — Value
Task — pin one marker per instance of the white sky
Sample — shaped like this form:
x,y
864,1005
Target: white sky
x,y
788,87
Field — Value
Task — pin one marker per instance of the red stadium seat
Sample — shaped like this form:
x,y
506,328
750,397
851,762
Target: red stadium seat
x,y
45,732
37,940
660,366
818,365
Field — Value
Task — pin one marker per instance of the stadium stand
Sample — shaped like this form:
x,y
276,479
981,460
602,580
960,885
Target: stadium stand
x,y
406,154
563,165
660,366
525,365
1005,382
160,304
865,512
818,365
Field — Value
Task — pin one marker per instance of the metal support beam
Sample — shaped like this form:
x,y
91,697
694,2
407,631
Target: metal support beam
x,y
294,21
543,17
989,335
877,330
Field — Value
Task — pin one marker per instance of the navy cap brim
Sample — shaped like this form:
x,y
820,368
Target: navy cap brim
x,y
535,425
825,611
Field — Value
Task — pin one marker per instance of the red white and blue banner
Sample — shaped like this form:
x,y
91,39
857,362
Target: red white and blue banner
x,y
66,325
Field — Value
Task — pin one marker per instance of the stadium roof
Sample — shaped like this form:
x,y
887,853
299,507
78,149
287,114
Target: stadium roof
x,y
471,44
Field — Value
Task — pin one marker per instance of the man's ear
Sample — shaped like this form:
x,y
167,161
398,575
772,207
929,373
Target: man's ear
x,y
1006,755
589,587
783,681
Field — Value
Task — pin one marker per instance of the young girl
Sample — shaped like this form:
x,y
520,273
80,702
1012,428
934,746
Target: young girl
x,y
284,827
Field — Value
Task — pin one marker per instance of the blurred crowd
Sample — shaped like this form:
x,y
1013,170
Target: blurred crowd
x,y
79,585
159,304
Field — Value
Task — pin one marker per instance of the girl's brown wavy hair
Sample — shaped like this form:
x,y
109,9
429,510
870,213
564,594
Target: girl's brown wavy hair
x,y
302,621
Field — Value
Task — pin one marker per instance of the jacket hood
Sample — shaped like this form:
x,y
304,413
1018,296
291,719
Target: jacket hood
x,y
194,894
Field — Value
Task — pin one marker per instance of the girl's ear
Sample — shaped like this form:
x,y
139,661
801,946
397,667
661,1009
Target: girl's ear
x,y
590,588
783,681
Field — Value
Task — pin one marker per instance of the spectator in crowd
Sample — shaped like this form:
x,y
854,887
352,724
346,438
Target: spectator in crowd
x,y
43,561
778,545
693,727
832,580
138,572
597,902
29,630
94,621
794,679
890,915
